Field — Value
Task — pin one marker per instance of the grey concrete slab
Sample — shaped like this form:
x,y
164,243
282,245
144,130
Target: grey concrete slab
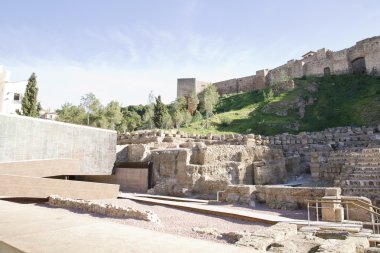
x,y
26,138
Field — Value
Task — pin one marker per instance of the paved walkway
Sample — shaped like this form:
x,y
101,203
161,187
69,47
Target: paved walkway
x,y
36,229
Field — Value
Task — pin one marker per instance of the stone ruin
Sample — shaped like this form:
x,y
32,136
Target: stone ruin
x,y
249,168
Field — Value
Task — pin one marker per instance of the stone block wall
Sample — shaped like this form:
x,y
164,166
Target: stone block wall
x,y
227,87
186,86
243,84
285,194
272,195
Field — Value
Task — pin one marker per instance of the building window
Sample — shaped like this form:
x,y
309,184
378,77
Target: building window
x,y
16,97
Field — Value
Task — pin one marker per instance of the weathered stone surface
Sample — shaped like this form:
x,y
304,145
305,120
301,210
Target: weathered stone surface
x,y
337,246
138,153
242,194
207,231
361,243
233,237
283,205
372,250
350,245
108,209
259,243
263,238
283,247
338,235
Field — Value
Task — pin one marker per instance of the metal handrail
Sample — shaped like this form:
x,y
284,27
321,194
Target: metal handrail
x,y
366,203
339,201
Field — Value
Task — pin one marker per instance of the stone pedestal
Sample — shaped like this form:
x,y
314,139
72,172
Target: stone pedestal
x,y
333,210
314,166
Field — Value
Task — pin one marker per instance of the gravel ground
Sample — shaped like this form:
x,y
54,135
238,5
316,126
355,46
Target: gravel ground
x,y
180,222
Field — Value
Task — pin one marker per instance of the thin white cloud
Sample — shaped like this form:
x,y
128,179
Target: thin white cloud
x,y
128,69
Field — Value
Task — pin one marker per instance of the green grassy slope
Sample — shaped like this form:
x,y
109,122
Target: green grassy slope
x,y
314,104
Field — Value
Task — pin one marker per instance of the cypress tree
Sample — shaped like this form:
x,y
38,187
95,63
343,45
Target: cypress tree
x,y
29,105
159,111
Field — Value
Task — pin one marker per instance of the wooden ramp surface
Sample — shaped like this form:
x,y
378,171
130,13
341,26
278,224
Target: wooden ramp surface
x,y
27,180
240,214
162,197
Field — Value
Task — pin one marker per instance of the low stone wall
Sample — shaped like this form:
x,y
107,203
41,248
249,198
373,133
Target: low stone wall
x,y
355,212
279,197
107,210
241,194
273,194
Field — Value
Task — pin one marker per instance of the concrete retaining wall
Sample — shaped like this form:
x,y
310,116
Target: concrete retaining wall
x,y
26,138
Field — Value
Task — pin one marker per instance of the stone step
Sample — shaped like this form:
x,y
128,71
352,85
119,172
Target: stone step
x,y
362,183
361,173
366,168
361,176
364,172
366,164
367,159
364,187
371,150
369,192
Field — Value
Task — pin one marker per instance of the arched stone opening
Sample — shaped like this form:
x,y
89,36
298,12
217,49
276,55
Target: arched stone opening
x,y
326,71
358,66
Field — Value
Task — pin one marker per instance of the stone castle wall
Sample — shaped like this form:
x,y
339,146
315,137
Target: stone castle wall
x,y
364,56
243,84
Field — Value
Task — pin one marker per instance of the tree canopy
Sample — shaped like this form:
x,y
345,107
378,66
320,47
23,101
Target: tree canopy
x,y
29,104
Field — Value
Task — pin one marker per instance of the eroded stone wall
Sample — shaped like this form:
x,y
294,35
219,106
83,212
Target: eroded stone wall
x,y
276,196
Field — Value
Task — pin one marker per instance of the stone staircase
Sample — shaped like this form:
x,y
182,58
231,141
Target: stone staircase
x,y
360,176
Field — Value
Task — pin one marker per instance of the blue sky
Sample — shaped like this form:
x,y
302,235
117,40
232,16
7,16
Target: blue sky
x,y
121,50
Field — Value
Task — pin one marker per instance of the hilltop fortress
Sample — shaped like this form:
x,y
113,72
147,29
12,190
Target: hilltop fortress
x,y
363,57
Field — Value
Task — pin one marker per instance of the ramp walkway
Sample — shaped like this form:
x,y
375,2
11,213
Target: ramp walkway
x,y
29,179
35,229
237,214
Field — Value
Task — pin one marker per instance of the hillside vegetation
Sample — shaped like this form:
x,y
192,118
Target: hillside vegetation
x,y
314,104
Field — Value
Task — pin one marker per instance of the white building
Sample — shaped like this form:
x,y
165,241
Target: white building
x,y
48,114
11,93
